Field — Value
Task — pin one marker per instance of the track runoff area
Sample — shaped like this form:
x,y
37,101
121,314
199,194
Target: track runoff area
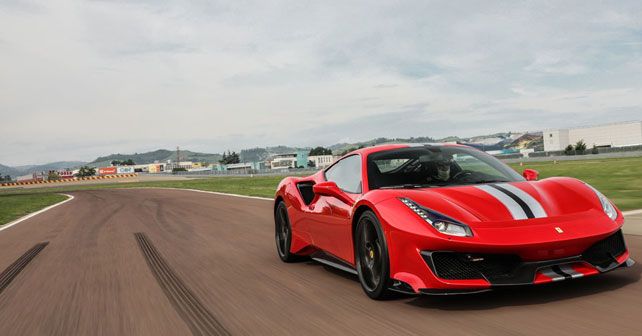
x,y
180,262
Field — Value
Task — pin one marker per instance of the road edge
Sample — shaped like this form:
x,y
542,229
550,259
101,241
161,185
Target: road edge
x,y
206,192
33,214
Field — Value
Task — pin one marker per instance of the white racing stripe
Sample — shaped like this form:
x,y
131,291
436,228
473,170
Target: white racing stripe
x,y
515,210
532,203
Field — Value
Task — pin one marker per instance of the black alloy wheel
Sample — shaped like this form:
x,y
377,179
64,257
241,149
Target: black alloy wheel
x,y
373,266
283,234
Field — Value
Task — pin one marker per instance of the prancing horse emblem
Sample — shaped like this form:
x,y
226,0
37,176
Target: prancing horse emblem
x,y
559,230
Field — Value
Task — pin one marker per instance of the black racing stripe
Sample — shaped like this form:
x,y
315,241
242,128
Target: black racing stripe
x,y
559,271
522,204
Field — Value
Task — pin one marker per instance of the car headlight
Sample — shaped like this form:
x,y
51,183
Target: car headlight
x,y
607,206
440,222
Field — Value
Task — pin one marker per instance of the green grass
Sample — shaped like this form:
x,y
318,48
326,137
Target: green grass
x,y
619,179
13,206
263,186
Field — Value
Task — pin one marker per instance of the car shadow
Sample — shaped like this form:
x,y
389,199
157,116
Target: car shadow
x,y
517,295
530,295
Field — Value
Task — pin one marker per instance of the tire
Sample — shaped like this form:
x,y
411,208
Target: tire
x,y
371,255
283,234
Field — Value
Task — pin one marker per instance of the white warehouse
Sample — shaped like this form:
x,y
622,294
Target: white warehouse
x,y
608,135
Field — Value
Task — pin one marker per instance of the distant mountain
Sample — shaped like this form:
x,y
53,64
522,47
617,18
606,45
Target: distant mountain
x,y
50,166
497,141
261,154
28,169
161,155
6,170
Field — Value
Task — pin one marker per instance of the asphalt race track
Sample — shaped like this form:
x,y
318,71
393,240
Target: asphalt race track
x,y
172,262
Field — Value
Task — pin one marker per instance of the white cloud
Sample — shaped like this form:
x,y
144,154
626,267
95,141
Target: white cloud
x,y
82,78
555,63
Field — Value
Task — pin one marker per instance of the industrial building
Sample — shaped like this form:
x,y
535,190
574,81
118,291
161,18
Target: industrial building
x,y
290,160
322,161
609,135
245,166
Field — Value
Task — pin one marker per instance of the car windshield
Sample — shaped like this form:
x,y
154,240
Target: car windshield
x,y
435,166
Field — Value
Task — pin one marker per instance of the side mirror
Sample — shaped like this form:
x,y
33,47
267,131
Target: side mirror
x,y
530,174
330,189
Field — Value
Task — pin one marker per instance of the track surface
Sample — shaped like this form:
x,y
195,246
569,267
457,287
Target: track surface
x,y
93,279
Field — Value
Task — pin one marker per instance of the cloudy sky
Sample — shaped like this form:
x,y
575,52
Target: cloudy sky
x,y
80,79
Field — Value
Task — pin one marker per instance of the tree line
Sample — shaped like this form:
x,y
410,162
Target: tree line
x,y
128,162
230,158
579,149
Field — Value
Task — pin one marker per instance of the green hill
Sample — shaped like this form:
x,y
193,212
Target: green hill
x,y
161,155
6,170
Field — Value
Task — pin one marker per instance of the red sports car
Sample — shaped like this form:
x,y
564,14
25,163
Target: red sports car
x,y
445,219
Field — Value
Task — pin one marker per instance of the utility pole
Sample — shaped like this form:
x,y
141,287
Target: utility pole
x,y
178,156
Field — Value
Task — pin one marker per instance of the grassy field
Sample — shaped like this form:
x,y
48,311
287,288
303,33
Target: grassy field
x,y
252,186
16,206
619,179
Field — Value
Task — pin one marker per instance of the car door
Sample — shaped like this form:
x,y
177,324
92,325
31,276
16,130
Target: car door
x,y
335,232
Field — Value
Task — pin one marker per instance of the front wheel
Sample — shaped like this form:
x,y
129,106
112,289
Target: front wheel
x,y
283,234
373,265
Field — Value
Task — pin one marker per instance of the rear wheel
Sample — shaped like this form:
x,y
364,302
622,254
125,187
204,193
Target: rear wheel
x,y
373,266
283,233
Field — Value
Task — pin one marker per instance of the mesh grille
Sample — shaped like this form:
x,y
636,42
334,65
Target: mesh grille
x,y
604,252
461,266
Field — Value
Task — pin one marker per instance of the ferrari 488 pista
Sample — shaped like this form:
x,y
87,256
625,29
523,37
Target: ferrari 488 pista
x,y
445,219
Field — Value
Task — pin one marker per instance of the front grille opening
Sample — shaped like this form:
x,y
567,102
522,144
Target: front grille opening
x,y
465,266
605,252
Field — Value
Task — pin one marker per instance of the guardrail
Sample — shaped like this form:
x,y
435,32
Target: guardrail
x,y
75,179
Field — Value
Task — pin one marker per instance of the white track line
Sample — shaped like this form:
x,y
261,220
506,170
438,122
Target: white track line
x,y
232,195
206,192
632,212
24,218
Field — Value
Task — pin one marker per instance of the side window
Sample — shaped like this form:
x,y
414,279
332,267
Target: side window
x,y
346,174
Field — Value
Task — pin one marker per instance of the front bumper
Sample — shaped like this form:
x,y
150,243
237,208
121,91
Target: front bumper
x,y
462,273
